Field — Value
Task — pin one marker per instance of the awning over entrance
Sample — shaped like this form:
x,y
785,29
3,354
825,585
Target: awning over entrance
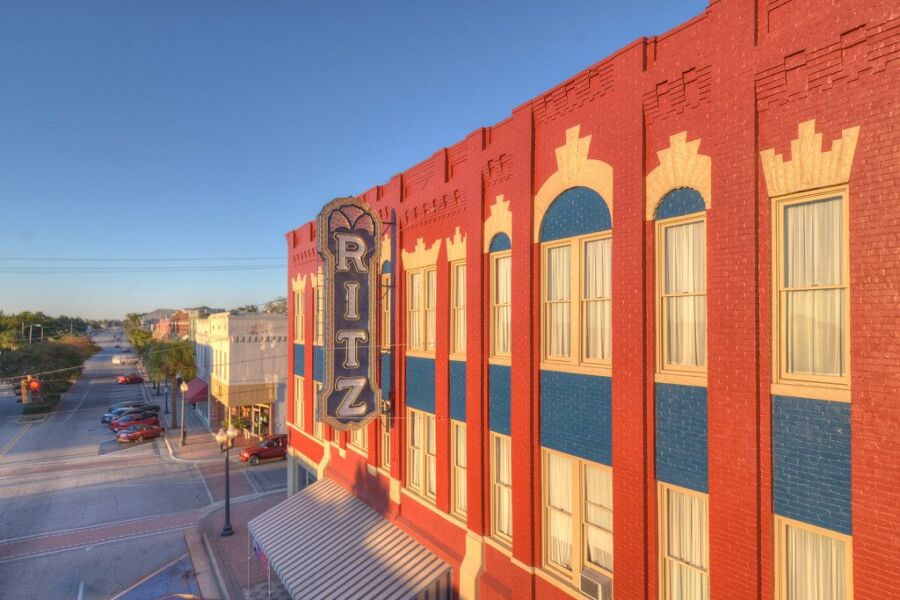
x,y
196,391
323,542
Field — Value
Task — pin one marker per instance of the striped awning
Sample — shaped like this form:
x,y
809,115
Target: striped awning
x,y
324,542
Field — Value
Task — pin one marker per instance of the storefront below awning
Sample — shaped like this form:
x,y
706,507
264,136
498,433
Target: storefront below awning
x,y
197,390
324,542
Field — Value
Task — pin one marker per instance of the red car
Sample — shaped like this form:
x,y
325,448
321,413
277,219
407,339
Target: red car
x,y
130,378
139,433
271,447
133,420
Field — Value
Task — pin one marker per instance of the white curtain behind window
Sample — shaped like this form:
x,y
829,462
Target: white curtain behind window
x,y
413,324
415,451
559,296
597,299
685,291
503,482
559,503
459,470
503,310
815,566
459,310
598,517
687,551
813,258
430,309
430,456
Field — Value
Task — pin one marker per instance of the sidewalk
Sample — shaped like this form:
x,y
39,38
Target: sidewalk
x,y
241,573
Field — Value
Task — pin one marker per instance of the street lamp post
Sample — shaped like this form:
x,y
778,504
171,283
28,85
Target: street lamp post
x,y
184,388
226,438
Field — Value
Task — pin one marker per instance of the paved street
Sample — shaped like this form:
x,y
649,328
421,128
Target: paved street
x,y
81,515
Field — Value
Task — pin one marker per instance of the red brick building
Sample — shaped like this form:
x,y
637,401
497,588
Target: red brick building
x,y
645,330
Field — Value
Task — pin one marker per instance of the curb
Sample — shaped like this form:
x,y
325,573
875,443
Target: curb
x,y
222,585
205,571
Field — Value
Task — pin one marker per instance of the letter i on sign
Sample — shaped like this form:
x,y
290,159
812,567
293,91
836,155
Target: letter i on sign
x,y
348,236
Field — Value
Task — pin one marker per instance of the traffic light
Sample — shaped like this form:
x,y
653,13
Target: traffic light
x,y
31,390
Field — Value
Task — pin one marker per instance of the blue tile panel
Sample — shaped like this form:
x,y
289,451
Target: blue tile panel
x,y
386,375
576,415
318,363
458,390
680,201
681,436
577,211
500,403
420,383
811,461
299,359
500,242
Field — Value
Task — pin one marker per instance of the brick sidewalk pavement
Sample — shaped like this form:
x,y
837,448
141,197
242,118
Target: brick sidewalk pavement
x,y
243,573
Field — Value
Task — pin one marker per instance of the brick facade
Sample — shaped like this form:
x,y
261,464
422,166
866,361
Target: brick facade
x,y
736,80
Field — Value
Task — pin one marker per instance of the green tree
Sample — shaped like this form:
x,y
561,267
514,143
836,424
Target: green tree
x,y
177,358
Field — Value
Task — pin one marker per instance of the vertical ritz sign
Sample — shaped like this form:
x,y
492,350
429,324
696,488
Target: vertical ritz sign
x,y
348,244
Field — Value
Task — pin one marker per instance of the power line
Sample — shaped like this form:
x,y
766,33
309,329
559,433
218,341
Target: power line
x,y
138,259
121,270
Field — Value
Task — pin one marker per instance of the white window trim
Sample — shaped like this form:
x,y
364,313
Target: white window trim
x,y
419,315
577,362
421,490
499,358
455,309
299,403
781,523
662,522
384,456
300,316
671,373
579,539
455,469
820,387
357,445
501,537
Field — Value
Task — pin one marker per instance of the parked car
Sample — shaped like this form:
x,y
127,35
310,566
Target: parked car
x,y
129,403
271,447
130,378
128,410
139,433
116,346
126,350
134,419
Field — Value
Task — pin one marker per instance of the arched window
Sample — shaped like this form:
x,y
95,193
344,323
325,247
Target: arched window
x,y
681,283
501,296
576,258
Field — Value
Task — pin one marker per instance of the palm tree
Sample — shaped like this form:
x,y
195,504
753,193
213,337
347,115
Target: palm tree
x,y
152,355
176,358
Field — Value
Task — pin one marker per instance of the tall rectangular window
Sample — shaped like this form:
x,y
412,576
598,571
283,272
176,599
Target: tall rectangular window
x,y
684,544
385,442
421,452
501,304
299,405
385,296
458,308
415,339
501,487
577,516
577,302
430,309
319,427
596,300
812,274
812,563
558,305
359,439
682,294
320,310
458,468
299,316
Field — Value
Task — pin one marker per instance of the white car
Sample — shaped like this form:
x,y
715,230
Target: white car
x,y
117,360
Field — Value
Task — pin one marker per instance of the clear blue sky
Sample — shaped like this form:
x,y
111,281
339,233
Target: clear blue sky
x,y
207,129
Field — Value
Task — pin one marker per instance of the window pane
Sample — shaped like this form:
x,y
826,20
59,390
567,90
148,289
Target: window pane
x,y
815,331
559,500
685,258
414,325
502,295
686,330
687,523
502,482
598,516
460,445
813,244
559,296
814,568
686,583
597,326
430,312
459,309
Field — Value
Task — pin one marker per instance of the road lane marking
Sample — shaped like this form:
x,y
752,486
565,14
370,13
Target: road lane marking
x,y
80,402
151,575
205,485
81,590
13,441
